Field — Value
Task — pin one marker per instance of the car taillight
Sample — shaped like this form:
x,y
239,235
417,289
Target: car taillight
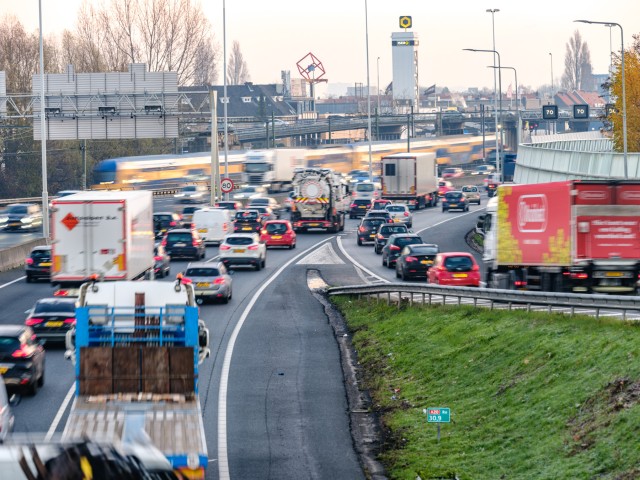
x,y
225,227
70,321
172,223
29,261
33,321
580,276
475,268
411,259
252,247
157,258
380,236
394,247
263,231
194,242
219,281
20,353
225,247
406,214
164,242
353,205
362,229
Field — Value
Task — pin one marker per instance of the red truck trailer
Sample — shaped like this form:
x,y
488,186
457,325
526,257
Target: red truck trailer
x,y
570,236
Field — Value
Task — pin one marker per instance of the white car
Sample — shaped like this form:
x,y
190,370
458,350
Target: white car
x,y
484,170
249,192
400,213
243,249
193,194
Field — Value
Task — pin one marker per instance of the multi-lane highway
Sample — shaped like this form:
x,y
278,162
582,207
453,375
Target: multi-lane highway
x,y
272,393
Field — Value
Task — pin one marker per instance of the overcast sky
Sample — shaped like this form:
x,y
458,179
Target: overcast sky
x,y
275,34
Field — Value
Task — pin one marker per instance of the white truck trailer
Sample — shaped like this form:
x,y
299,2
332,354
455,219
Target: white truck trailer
x,y
411,178
104,233
272,169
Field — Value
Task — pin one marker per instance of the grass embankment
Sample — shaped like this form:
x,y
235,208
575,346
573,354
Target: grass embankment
x,y
532,395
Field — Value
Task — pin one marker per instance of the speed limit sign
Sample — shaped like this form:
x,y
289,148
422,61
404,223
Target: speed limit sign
x,y
226,185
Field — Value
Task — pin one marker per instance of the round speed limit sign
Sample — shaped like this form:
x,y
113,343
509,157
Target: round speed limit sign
x,y
226,185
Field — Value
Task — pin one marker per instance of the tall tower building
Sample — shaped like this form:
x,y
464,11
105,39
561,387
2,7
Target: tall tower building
x,y
404,53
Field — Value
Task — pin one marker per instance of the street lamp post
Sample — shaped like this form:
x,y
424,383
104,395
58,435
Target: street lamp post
x,y
515,72
43,139
366,23
226,98
378,86
495,52
624,94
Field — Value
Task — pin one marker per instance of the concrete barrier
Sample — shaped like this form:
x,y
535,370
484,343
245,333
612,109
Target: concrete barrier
x,y
13,257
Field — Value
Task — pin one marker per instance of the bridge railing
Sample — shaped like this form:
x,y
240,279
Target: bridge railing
x,y
393,292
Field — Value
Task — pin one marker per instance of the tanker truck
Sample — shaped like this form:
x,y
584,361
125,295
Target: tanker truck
x,y
320,200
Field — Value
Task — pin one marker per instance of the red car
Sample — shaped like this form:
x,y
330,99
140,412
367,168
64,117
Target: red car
x,y
459,269
278,233
444,187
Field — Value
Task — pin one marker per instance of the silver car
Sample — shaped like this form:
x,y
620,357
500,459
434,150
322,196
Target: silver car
x,y
210,281
472,193
400,213
243,249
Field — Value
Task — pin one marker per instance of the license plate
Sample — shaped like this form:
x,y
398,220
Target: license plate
x,y
372,236
54,324
276,237
14,224
459,275
4,370
246,228
45,264
453,205
314,224
426,262
180,245
238,250
613,274
203,284
362,206
202,230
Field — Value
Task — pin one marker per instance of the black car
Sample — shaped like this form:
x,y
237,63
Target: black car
x,y
21,217
162,261
359,207
21,359
38,264
184,242
415,260
380,214
248,221
368,228
51,318
385,230
455,200
165,221
395,244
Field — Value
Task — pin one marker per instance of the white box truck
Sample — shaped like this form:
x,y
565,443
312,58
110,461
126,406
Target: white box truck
x,y
104,233
272,169
411,178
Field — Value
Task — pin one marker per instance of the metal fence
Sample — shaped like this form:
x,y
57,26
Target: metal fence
x,y
493,298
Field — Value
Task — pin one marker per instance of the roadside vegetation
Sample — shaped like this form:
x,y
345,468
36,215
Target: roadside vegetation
x,y
532,395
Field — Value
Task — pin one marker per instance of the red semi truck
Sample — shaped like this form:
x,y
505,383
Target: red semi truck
x,y
570,236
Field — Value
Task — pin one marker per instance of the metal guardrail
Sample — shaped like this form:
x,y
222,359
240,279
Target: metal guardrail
x,y
552,300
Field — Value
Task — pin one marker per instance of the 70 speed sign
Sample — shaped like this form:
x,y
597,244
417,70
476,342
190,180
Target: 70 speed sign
x,y
226,185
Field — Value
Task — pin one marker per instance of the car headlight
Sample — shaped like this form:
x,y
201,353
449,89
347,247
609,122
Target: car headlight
x,y
26,220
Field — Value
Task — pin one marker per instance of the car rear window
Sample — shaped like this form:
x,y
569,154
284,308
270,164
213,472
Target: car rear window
x,y
394,229
395,208
373,222
458,263
362,201
202,272
424,250
276,228
239,240
41,255
469,189
403,241
9,344
179,237
365,187
163,218
54,307
453,195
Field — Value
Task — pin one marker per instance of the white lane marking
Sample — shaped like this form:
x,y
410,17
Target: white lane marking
x,y
322,256
223,459
359,265
12,282
61,410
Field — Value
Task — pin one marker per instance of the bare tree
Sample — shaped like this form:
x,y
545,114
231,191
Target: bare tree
x,y
237,70
19,54
577,64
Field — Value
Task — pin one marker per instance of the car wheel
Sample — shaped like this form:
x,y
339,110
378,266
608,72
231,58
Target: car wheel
x,y
28,279
397,272
359,242
402,275
258,265
32,389
225,300
41,379
444,209
384,261
264,262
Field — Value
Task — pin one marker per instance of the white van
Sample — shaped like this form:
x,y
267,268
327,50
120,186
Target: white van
x,y
366,189
212,224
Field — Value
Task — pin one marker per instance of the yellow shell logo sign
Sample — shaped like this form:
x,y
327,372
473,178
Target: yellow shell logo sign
x,y
405,22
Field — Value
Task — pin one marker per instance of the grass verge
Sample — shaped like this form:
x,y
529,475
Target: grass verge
x,y
532,395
